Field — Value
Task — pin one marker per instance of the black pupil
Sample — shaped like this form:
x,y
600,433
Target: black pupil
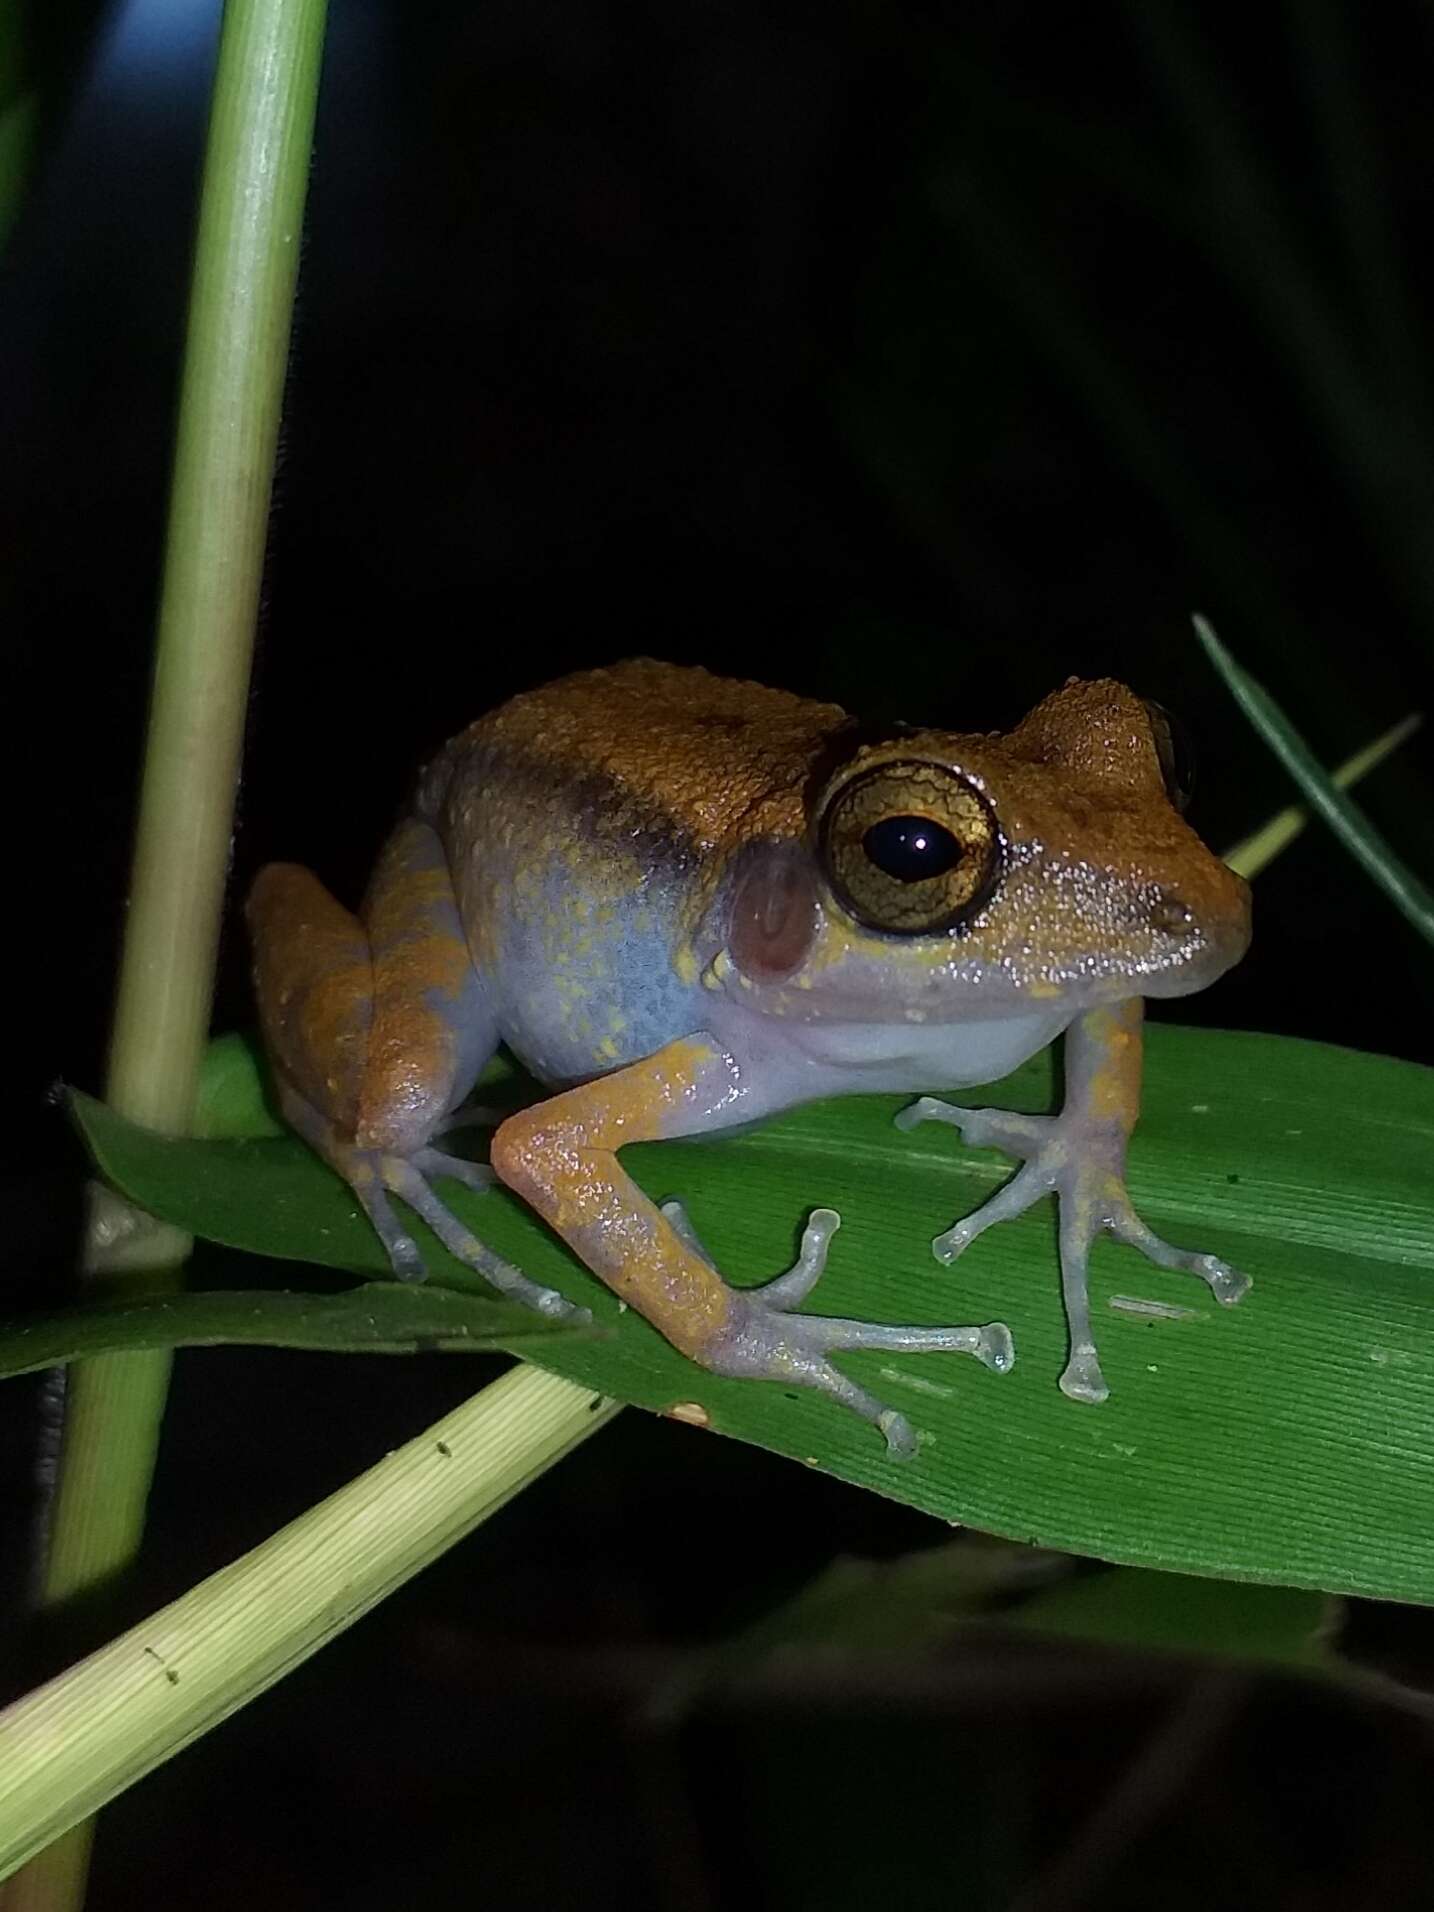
x,y
912,849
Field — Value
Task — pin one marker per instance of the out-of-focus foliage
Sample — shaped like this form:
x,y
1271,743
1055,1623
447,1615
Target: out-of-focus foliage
x,y
42,44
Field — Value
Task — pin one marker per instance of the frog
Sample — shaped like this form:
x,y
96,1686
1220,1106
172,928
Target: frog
x,y
685,903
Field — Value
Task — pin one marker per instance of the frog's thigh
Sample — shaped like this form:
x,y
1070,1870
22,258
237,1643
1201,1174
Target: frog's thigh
x,y
377,1022
560,1155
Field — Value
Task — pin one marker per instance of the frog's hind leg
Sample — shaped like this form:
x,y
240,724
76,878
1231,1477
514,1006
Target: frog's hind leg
x,y
561,1156
376,1027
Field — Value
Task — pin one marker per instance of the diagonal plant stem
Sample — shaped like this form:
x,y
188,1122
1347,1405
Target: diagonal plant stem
x,y
1358,835
76,1742
241,302
1258,850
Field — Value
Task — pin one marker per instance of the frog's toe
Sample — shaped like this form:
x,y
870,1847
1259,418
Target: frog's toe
x,y
405,1177
766,1342
783,1291
1228,1285
680,1223
475,1175
926,1108
1082,1379
901,1442
1024,1188
1004,1129
1079,1156
404,1256
995,1349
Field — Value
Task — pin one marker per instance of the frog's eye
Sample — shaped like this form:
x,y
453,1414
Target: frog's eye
x,y
1172,748
910,848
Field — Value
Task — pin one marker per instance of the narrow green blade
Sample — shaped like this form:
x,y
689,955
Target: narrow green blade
x,y
381,1317
1354,830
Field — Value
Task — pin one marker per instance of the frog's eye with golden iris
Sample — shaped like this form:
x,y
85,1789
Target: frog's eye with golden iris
x,y
910,848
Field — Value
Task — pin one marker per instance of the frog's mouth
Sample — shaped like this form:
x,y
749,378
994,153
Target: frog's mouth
x,y
1187,975
972,979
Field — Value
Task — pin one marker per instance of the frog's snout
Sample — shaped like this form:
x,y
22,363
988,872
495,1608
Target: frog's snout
x,y
1213,926
1168,912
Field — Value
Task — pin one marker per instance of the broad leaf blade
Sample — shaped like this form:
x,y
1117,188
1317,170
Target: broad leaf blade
x,y
1288,1440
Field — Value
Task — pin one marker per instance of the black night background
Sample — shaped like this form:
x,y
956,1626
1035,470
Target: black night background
x,y
908,356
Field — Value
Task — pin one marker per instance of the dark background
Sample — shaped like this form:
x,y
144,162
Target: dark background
x,y
908,356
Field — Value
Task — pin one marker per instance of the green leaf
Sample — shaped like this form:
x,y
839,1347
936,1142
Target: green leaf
x,y
43,44
382,1317
917,1601
232,1098
1288,1440
1273,1626
906,1605
1345,818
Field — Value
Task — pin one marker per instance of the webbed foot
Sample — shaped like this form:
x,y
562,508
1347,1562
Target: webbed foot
x,y
768,1340
1081,1161
376,1174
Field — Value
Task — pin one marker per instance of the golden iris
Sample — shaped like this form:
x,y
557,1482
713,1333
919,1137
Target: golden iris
x,y
910,848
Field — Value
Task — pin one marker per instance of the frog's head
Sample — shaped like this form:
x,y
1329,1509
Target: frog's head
x,y
943,877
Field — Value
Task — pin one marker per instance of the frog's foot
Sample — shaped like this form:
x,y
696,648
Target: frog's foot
x,y
408,1177
376,1174
1082,1162
769,1341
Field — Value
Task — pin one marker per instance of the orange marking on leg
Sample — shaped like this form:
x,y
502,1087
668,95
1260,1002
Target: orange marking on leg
x,y
1114,1088
560,1156
421,967
314,985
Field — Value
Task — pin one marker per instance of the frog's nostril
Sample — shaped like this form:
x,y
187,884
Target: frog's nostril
x,y
1168,913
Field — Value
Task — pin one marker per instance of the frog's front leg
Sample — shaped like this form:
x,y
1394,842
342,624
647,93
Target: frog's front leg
x,y
1079,1155
376,1027
560,1155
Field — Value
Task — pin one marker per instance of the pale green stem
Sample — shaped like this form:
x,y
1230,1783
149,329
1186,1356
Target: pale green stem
x,y
247,256
1253,853
75,1743
241,301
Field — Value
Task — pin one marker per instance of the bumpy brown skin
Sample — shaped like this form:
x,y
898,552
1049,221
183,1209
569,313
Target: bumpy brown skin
x,y
712,766
573,795
673,747
1078,784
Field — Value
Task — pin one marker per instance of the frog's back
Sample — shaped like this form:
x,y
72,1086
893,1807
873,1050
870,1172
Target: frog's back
x,y
664,745
587,824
